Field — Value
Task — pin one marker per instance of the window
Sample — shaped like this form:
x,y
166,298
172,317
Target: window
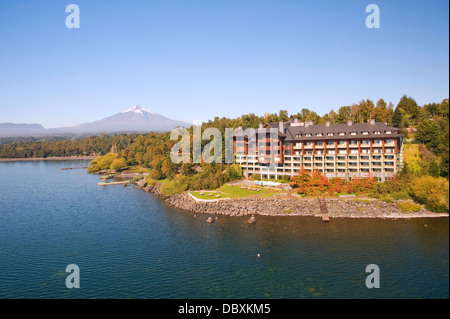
x,y
330,158
353,133
319,134
342,143
308,135
364,163
341,133
287,152
388,132
330,143
287,144
331,152
319,144
319,152
330,134
365,133
377,132
354,151
308,144
318,158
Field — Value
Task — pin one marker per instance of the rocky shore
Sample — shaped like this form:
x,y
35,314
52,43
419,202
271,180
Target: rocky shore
x,y
337,207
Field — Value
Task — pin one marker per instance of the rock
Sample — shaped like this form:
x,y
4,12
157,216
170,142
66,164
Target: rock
x,y
252,220
210,220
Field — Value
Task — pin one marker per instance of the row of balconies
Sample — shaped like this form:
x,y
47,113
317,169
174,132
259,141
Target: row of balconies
x,y
294,170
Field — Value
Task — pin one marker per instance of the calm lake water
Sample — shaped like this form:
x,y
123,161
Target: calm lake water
x,y
129,244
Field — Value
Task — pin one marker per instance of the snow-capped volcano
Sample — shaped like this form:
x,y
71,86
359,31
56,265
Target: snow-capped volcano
x,y
138,109
134,119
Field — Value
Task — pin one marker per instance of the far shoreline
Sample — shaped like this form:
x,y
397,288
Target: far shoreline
x,y
55,158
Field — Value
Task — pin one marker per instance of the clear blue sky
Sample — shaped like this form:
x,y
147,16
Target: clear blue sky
x,y
196,59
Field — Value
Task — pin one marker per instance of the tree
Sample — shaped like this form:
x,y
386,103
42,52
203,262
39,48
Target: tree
x,y
344,115
283,115
168,168
381,112
443,108
409,105
430,134
365,110
118,163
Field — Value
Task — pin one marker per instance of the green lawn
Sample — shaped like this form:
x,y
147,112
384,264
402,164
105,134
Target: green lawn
x,y
229,191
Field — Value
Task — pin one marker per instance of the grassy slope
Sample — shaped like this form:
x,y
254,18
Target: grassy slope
x,y
229,191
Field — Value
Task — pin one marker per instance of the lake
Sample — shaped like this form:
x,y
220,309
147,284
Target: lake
x,y
129,244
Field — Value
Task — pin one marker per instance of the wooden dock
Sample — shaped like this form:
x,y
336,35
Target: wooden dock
x,y
114,183
323,209
67,168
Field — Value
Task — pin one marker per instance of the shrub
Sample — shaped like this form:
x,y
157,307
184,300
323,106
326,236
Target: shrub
x,y
431,192
409,206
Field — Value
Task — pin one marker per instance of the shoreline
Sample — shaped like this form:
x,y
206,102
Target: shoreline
x,y
272,206
60,158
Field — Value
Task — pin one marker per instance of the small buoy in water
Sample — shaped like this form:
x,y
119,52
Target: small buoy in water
x,y
251,220
195,215
210,220
258,255
426,225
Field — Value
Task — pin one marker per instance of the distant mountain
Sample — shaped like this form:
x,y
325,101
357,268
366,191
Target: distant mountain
x,y
135,119
13,130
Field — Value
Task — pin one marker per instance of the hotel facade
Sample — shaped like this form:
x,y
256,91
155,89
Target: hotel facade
x,y
348,151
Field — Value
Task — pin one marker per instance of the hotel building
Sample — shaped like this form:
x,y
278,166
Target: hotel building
x,y
348,151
